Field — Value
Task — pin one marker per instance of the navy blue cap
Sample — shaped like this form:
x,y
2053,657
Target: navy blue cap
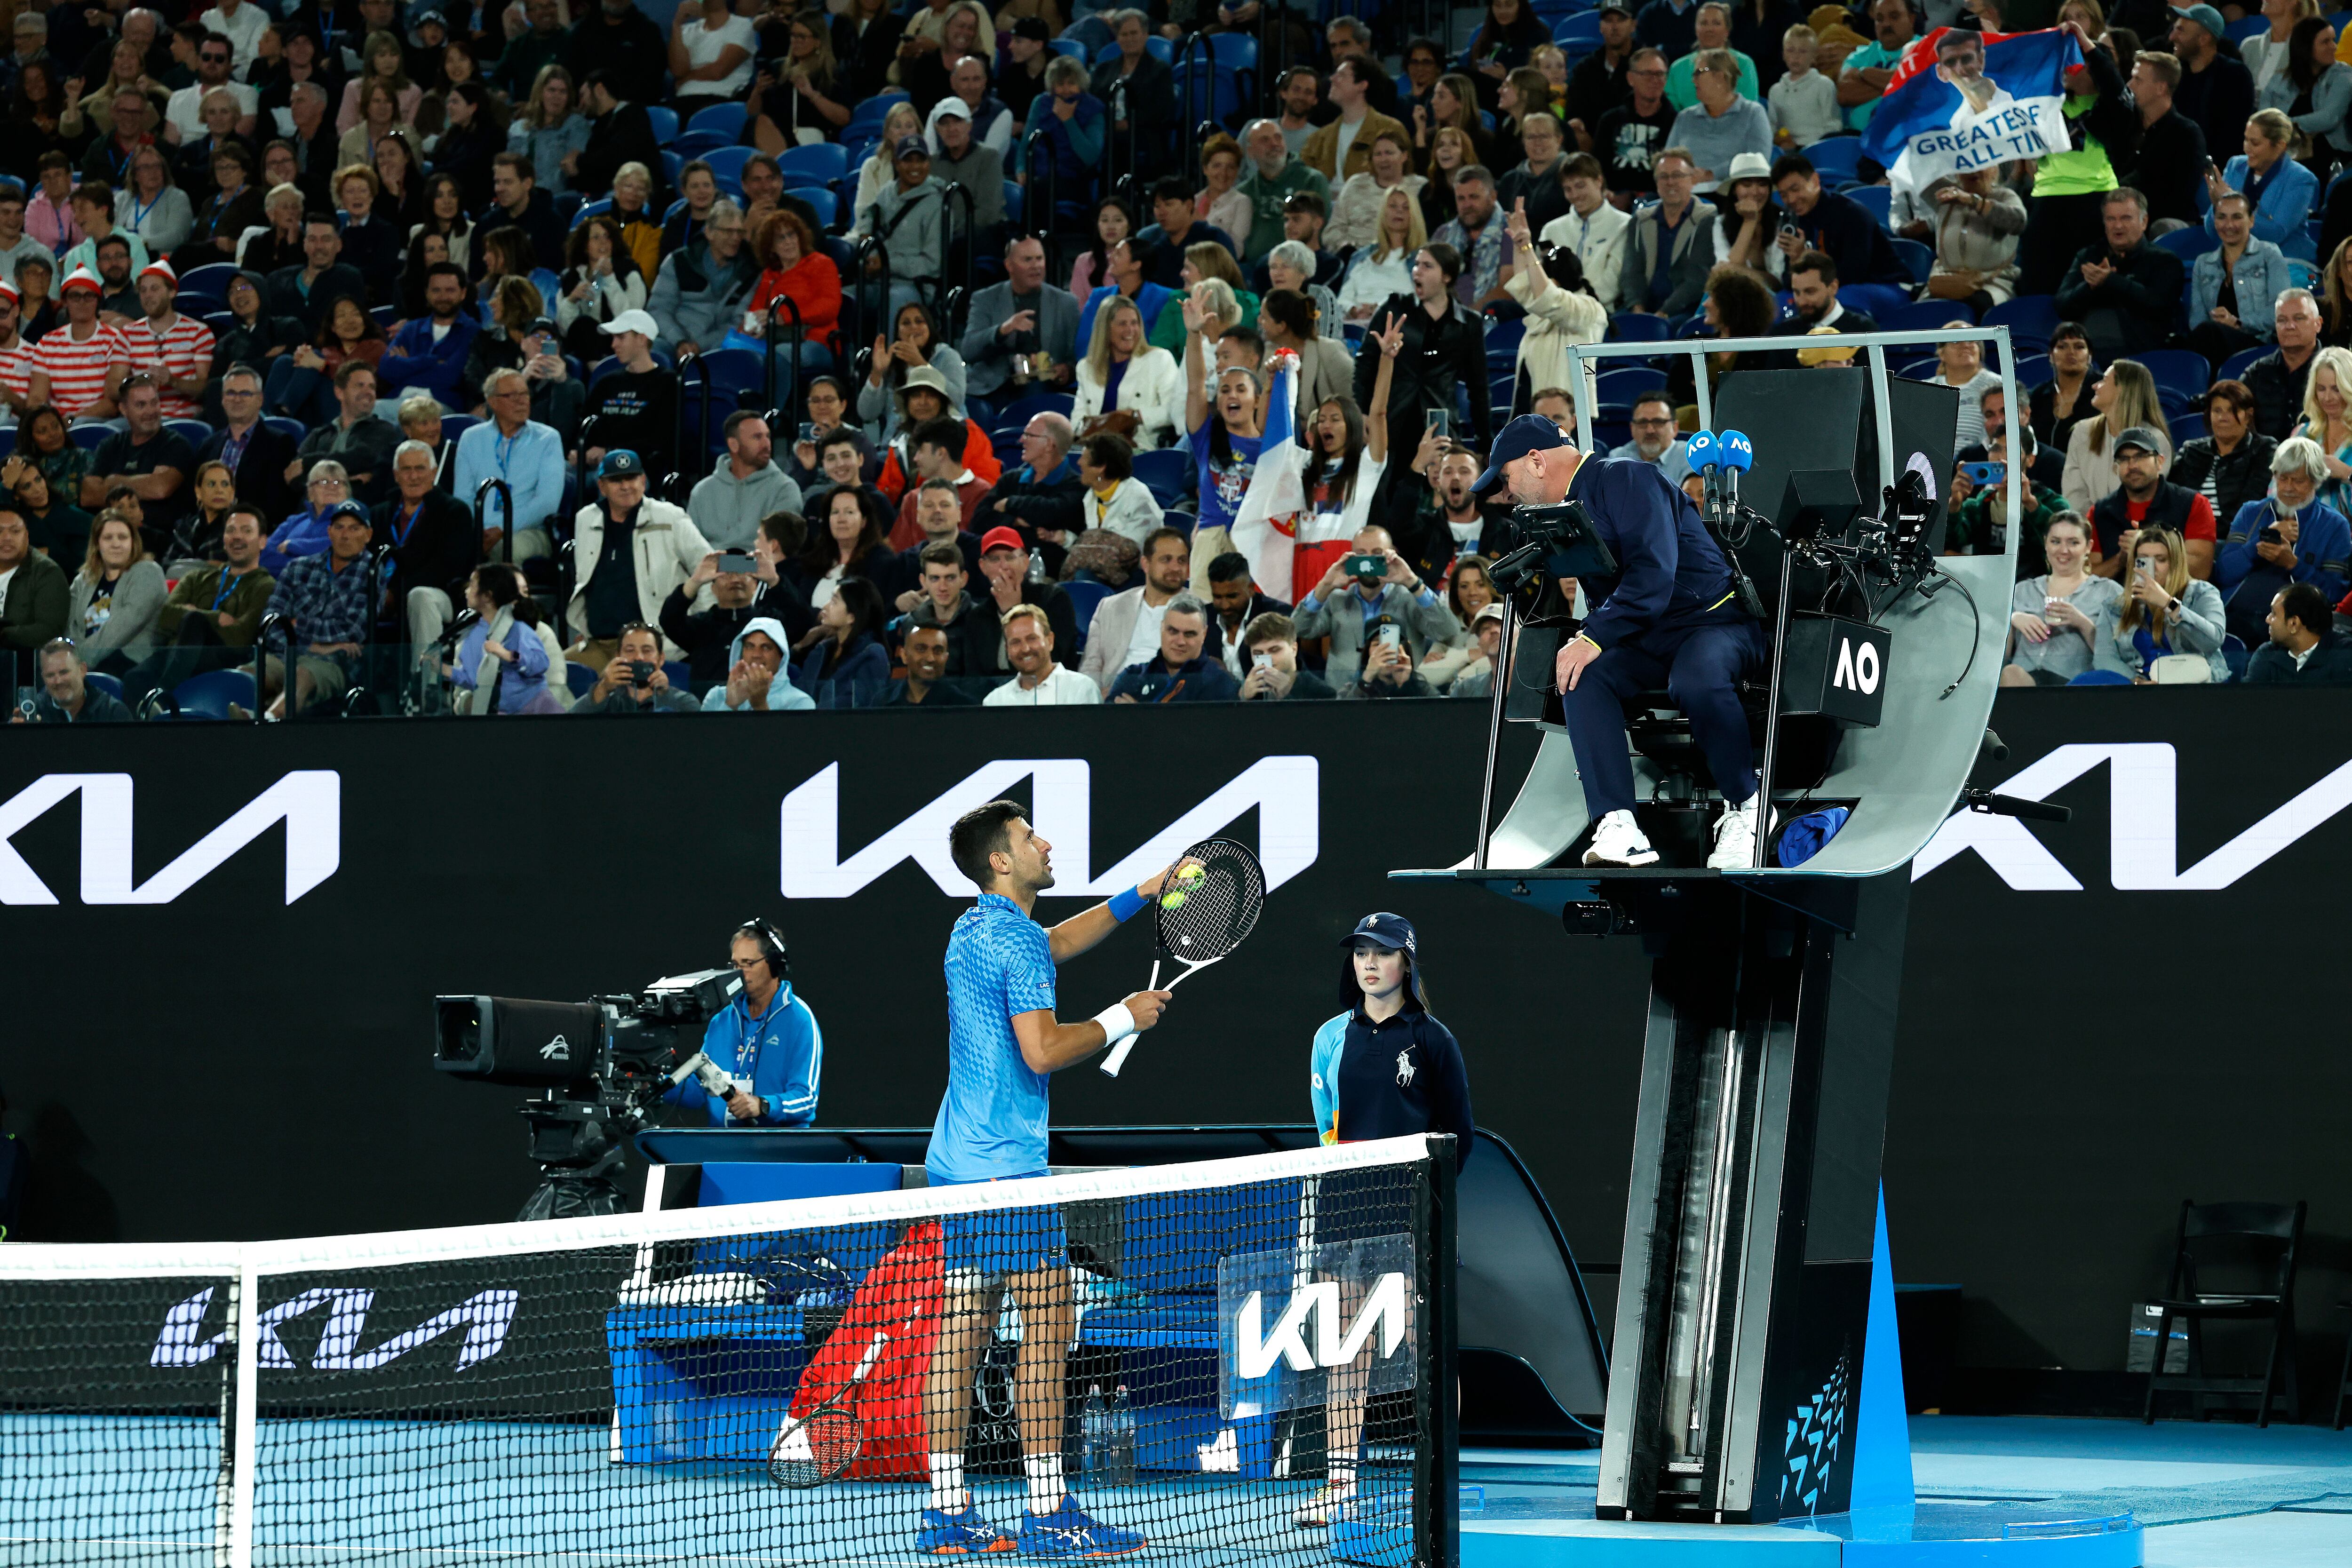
x,y
1528,433
351,509
1394,933
621,463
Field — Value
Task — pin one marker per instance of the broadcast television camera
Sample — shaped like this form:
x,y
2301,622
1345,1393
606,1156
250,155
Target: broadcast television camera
x,y
600,1064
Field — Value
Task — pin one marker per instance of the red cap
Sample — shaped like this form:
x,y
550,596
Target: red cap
x,y
1001,539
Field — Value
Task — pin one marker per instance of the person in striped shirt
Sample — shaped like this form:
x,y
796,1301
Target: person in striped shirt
x,y
173,349
70,363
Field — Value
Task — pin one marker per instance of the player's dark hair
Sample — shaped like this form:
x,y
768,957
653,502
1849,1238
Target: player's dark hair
x,y
981,832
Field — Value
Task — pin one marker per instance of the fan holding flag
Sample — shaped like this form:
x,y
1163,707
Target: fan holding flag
x,y
1305,503
1960,101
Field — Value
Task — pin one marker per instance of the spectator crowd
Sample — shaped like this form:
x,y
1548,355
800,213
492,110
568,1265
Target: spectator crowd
x,y
372,356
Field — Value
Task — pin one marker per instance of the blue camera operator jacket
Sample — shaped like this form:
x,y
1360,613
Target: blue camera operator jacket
x,y
780,1053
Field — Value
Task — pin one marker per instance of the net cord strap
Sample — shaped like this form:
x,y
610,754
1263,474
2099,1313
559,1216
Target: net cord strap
x,y
35,1260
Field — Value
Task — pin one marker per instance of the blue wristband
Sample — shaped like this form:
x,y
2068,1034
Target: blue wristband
x,y
1125,904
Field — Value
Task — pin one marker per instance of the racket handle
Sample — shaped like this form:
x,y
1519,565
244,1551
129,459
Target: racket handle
x,y
1117,1057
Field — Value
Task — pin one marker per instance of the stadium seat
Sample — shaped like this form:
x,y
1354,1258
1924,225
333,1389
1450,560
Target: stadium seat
x,y
385,315
2188,427
693,144
819,162
1631,327
2177,370
2034,313
1872,297
209,695
109,684
1014,203
826,206
2234,367
292,429
1167,474
222,322
567,206
455,425
1926,316
1621,384
89,433
596,208
665,121
1835,157
1872,199
1919,258
732,371
1084,597
672,164
1021,410
727,163
1237,50
2233,651
2248,28
1581,31
211,279
7,440
580,678
720,119
1070,47
194,432
867,117
2188,244
2032,370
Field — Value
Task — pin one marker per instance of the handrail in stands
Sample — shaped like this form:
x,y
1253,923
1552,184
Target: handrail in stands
x,y
282,620
768,348
868,249
1042,173
1184,101
685,471
506,492
953,301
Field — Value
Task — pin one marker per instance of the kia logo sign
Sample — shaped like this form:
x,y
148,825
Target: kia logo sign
x,y
486,1316
1285,791
1255,1350
309,804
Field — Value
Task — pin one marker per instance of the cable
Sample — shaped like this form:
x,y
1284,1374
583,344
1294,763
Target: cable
x,y
1976,637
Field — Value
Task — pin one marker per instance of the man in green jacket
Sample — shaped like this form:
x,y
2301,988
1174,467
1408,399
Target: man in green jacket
x,y
1275,176
212,616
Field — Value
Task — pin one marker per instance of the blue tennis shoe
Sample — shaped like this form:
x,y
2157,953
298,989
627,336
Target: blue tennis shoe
x,y
1068,1532
946,1534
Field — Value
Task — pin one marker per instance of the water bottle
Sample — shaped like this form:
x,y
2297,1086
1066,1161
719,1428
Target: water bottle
x,y
1120,1469
1094,1434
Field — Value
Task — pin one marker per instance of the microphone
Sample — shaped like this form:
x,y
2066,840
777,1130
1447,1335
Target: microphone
x,y
1703,451
1739,456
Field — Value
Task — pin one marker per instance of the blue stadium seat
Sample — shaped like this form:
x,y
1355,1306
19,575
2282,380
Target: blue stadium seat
x,y
693,144
1070,47
601,206
548,284
2188,427
293,428
819,162
721,119
1217,84
2234,650
1014,203
827,205
1167,474
1084,597
2234,367
1621,384
222,322
1021,410
2032,370
672,166
209,695
194,432
1926,316
1835,157
567,206
2248,28
2034,313
680,673
1872,199
665,121
1872,297
732,371
385,315
2188,244
580,678
2177,370
1581,31
89,433
727,163
109,684
7,440
1631,327
1917,257
455,425
1237,50
211,279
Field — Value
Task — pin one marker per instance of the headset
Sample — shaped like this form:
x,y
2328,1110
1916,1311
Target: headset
x,y
772,943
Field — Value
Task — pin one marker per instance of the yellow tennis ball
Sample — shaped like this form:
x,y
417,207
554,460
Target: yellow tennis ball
x,y
1171,900
1192,871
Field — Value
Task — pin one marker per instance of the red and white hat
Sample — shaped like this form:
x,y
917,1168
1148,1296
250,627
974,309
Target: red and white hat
x,y
159,267
80,277
9,288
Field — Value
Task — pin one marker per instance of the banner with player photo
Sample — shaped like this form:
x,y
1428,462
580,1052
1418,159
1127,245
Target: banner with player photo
x,y
1962,101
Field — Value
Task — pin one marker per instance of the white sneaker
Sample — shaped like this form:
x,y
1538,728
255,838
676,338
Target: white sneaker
x,y
1327,1500
1735,837
1617,840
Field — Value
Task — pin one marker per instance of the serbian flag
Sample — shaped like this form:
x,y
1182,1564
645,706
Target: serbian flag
x,y
1962,101
1289,546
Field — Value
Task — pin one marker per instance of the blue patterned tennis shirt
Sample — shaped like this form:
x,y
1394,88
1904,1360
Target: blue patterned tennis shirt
x,y
993,1119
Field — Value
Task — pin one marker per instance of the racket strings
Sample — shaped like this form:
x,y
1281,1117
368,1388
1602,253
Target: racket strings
x,y
1220,907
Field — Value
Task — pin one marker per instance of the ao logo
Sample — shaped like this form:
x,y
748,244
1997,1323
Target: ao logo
x,y
1857,668
310,802
1254,1353
1286,792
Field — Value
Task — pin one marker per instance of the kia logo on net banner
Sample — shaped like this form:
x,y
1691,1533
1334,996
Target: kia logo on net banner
x,y
309,804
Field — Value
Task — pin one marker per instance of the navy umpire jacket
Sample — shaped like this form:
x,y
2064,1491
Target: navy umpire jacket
x,y
1670,571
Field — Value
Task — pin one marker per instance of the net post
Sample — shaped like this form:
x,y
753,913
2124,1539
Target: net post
x,y
244,1426
1437,1501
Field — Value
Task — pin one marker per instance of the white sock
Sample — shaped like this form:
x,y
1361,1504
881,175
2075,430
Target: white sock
x,y
947,1483
1045,1488
1339,1474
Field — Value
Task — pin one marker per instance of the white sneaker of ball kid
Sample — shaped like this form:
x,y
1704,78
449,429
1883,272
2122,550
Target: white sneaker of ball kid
x,y
1618,840
1735,837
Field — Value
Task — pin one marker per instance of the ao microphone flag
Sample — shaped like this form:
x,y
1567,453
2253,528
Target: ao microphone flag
x,y
1961,101
1739,456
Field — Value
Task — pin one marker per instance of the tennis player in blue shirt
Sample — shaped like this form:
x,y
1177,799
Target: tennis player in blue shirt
x,y
1004,1042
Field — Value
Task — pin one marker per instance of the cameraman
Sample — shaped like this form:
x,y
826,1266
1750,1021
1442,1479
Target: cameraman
x,y
766,1039
625,688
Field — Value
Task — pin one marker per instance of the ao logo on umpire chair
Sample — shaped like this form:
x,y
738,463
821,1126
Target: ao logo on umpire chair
x,y
1836,668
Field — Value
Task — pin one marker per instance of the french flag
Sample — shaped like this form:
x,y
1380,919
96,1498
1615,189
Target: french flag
x,y
1961,101
1289,547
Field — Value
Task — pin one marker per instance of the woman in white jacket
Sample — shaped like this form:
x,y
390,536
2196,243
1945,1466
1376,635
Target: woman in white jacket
x,y
1124,386
1383,269
1560,313
1115,498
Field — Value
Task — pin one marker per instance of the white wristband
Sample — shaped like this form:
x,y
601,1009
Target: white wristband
x,y
1116,1022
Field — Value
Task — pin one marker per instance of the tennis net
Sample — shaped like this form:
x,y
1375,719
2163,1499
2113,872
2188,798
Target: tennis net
x,y
1178,1363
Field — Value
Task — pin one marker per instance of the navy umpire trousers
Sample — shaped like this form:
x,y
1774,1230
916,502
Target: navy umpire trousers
x,y
1700,662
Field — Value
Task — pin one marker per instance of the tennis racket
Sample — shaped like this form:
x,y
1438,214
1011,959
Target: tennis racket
x,y
1207,907
818,1447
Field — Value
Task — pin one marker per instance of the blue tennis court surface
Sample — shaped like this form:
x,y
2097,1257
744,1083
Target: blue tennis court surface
x,y
117,1490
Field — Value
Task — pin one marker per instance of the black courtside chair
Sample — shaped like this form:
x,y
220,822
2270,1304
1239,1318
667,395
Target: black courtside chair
x,y
2258,1243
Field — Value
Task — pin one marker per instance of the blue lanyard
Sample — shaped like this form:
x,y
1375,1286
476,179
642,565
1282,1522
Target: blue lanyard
x,y
502,450
139,210
228,587
747,1051
401,530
